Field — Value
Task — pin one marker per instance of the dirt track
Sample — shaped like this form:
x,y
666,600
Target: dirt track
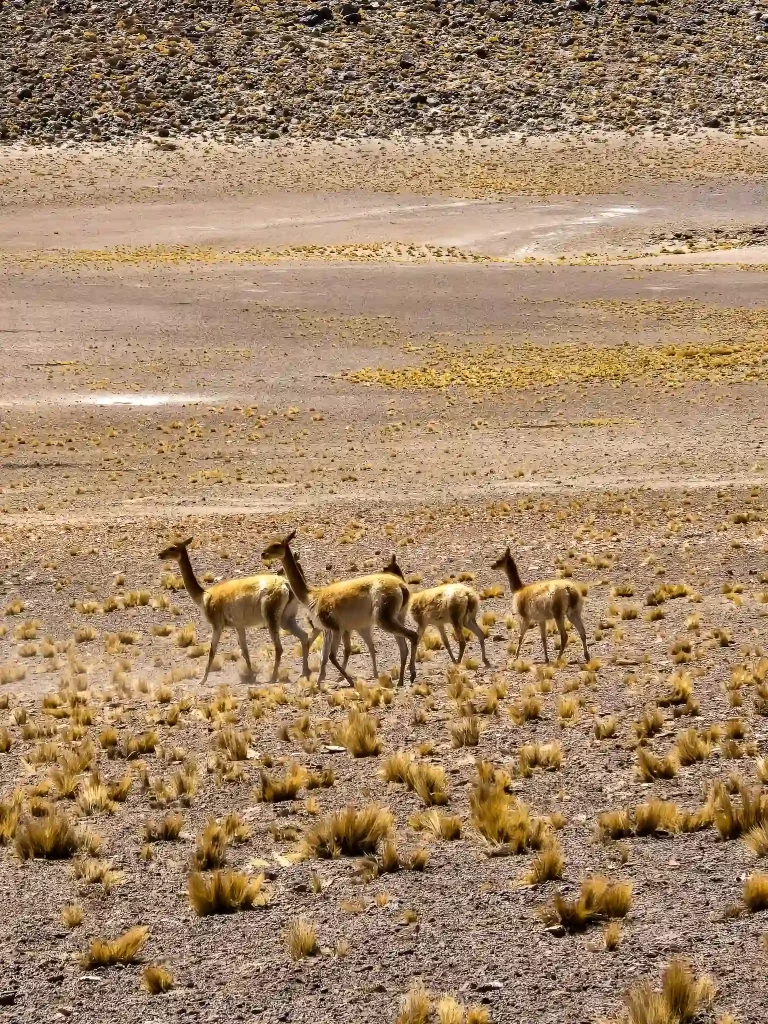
x,y
435,374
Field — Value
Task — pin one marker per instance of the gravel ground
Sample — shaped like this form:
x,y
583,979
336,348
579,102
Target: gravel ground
x,y
74,70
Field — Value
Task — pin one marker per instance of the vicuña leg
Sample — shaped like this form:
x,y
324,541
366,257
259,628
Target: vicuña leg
x,y
472,625
543,628
575,618
215,637
243,641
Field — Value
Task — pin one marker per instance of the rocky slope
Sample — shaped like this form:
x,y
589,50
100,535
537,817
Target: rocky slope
x,y
73,70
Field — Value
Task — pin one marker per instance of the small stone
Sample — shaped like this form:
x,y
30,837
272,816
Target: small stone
x,y
7,998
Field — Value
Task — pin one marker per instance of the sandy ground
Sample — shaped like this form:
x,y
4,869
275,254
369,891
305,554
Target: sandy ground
x,y
423,368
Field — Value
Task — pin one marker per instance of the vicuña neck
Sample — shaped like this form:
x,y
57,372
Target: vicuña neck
x,y
512,574
295,577
194,589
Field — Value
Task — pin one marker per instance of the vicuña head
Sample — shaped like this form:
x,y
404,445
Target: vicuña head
x,y
175,550
539,602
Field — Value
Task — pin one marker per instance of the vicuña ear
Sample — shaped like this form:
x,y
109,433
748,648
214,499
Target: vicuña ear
x,y
289,538
186,543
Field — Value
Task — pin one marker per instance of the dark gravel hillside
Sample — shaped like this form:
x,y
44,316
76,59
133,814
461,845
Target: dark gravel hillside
x,y
78,70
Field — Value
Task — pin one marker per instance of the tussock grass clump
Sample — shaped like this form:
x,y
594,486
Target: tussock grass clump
x,y
656,816
275,788
6,740
650,767
548,756
680,690
651,723
301,939
605,728
547,866
429,783
612,935
166,830
72,915
50,837
211,849
465,732
415,1006
441,826
681,999
358,735
156,980
616,824
527,708
505,823
93,872
757,840
692,747
234,742
599,900
124,949
756,893
224,892
732,819
397,767
351,832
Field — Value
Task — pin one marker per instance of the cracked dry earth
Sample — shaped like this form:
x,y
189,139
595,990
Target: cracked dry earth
x,y
606,419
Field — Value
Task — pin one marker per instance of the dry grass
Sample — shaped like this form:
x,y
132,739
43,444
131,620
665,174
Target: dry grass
x,y
72,915
599,899
505,823
51,837
358,735
211,848
156,980
465,732
351,832
612,935
301,939
547,866
124,949
415,1006
548,756
692,747
756,893
733,819
397,767
166,830
224,892
429,782
274,788
234,742
441,826
651,723
681,999
650,767
757,840
605,728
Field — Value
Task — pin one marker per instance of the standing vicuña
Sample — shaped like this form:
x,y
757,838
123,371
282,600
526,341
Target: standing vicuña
x,y
355,604
453,603
542,601
248,601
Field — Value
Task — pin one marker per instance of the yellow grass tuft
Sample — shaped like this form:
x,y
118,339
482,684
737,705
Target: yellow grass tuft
x,y
301,939
358,735
680,1001
234,742
735,819
351,832
156,980
122,950
605,728
547,866
51,837
505,823
224,892
465,732
441,826
756,892
650,767
274,788
429,782
166,830
612,935
599,899
397,767
72,915
415,1006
